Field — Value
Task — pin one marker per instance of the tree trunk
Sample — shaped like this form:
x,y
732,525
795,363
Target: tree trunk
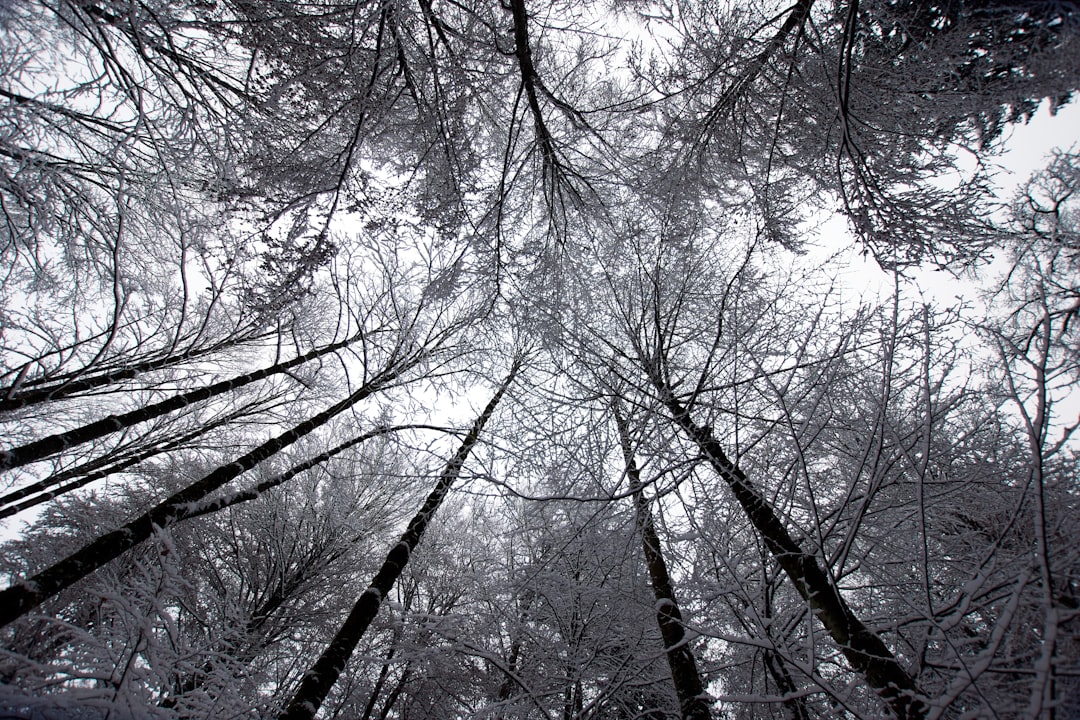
x,y
61,389
39,449
96,469
693,701
866,652
28,594
322,676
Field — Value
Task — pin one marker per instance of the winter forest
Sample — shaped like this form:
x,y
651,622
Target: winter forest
x,y
408,359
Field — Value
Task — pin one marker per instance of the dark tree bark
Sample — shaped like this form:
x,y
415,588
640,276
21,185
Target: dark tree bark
x,y
866,652
97,469
60,388
43,448
322,676
23,596
506,689
693,701
530,79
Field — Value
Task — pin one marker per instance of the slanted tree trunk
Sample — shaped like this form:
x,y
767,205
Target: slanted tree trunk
x,y
322,676
60,388
43,448
866,652
693,701
23,596
97,469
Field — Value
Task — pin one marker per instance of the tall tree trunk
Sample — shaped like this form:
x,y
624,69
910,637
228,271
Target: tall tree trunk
x,y
506,689
57,389
322,676
43,448
23,596
693,701
384,673
96,469
866,652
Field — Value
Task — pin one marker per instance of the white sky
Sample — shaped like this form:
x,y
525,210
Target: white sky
x,y
1028,148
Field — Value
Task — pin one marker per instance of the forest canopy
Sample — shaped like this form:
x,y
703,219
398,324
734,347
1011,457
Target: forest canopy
x,y
417,359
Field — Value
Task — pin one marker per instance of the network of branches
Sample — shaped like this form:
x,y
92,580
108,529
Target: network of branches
x,y
414,359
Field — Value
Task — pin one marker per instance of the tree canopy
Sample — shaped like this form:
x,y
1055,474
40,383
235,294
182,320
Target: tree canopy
x,y
442,359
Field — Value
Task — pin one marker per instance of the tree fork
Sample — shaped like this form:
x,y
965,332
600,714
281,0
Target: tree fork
x,y
241,496
13,400
317,682
96,469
